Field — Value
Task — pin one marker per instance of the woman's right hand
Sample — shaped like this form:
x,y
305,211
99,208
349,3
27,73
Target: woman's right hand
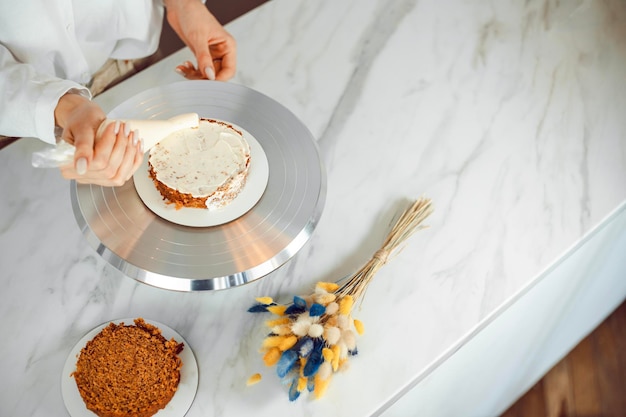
x,y
108,160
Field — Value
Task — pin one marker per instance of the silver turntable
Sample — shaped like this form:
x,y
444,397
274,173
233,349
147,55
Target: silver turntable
x,y
164,254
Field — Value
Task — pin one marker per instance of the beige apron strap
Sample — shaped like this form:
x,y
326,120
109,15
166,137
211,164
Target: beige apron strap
x,y
115,71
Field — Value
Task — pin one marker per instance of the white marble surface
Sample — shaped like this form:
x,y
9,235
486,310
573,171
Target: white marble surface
x,y
509,116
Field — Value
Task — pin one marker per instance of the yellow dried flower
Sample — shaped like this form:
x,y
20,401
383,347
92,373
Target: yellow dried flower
x,y
327,354
287,343
325,298
277,322
253,379
302,381
336,355
320,386
279,310
282,330
358,325
345,305
328,286
272,341
265,300
272,356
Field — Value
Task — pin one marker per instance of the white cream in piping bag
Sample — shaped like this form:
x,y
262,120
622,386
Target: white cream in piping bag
x,y
152,131
198,161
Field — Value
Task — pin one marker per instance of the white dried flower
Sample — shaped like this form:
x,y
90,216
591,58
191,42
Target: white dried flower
x,y
332,308
343,322
332,335
282,330
316,330
325,371
349,338
301,327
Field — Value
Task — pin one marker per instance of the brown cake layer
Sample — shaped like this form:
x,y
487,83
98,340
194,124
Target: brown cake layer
x,y
220,197
128,370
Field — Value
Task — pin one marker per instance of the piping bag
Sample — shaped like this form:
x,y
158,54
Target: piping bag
x,y
151,131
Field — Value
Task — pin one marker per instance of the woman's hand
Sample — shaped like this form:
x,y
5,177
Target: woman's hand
x,y
214,48
108,160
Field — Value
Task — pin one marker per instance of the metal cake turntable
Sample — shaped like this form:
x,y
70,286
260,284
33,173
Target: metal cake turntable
x,y
165,254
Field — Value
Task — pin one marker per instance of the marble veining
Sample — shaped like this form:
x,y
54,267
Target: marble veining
x,y
509,115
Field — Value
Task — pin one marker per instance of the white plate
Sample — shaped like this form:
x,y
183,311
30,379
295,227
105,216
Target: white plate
x,y
253,189
179,404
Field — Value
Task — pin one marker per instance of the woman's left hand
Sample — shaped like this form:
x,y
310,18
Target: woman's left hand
x,y
214,48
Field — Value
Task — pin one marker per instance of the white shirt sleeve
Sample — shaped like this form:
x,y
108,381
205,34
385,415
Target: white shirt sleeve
x,y
49,47
28,99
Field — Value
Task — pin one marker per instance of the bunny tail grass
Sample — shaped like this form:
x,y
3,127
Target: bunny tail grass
x,y
409,222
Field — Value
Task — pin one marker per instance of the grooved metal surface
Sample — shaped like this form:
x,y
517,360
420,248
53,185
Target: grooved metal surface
x,y
143,246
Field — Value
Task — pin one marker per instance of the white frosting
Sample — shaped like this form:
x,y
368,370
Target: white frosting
x,y
198,161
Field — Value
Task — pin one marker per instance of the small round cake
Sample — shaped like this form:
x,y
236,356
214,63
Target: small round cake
x,y
204,167
128,370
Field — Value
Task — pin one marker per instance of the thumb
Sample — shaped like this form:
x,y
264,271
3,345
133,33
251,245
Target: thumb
x,y
205,63
83,143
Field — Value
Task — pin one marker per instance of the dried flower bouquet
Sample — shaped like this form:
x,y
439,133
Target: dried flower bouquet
x,y
312,337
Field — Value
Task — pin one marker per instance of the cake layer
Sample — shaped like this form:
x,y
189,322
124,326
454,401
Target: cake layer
x,y
128,370
201,168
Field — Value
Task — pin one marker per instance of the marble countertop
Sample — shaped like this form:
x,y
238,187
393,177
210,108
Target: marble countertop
x,y
508,115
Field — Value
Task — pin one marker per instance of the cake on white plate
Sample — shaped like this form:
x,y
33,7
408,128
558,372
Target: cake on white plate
x,y
128,370
204,167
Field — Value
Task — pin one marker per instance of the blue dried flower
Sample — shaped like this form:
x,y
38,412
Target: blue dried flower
x,y
315,359
293,390
299,343
306,347
299,301
258,308
295,309
286,362
317,310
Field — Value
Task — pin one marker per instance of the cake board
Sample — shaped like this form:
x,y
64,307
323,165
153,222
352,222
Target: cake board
x,y
178,405
164,254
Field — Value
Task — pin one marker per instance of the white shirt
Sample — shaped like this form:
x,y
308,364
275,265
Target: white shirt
x,y
49,47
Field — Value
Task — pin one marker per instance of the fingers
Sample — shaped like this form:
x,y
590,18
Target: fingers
x,y
224,53
217,64
104,148
117,154
205,64
227,67
82,136
138,159
200,47
132,154
189,71
80,119
206,38
214,48
108,158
